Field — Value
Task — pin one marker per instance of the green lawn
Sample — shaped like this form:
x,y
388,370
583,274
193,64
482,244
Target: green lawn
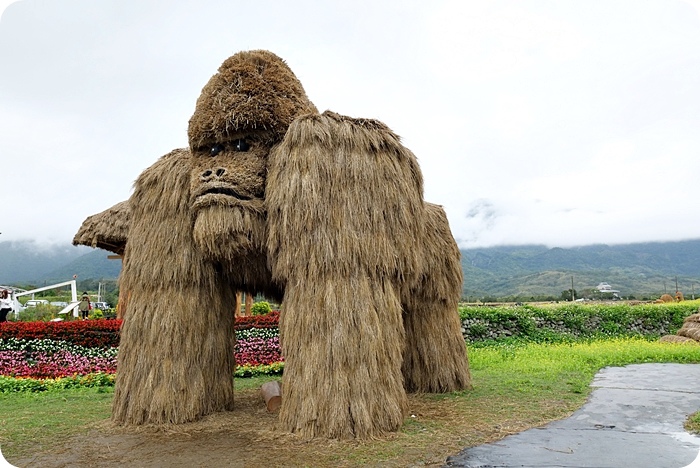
x,y
516,386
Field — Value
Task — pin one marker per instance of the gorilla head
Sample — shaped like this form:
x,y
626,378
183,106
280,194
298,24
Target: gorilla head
x,y
243,111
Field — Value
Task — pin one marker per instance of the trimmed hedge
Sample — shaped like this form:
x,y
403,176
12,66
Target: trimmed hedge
x,y
16,385
554,323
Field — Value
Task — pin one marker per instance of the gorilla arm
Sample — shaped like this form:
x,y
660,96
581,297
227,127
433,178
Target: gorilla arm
x,y
107,230
177,341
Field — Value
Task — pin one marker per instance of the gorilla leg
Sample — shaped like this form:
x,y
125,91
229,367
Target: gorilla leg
x,y
342,340
176,357
435,356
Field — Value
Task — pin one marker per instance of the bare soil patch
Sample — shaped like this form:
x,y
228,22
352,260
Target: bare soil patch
x,y
438,426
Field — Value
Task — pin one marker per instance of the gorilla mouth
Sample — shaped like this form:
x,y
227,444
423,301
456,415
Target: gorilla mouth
x,y
222,195
228,191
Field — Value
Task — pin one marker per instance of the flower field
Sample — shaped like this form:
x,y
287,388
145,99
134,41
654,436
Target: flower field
x,y
37,356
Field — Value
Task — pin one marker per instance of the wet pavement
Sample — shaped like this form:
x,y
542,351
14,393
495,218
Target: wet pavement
x,y
633,418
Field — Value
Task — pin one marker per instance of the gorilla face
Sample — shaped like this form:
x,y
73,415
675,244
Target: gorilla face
x,y
244,109
228,195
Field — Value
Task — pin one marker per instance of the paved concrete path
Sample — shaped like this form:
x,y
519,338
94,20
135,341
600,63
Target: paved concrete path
x,y
633,418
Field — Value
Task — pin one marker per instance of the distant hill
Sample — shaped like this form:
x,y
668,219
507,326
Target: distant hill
x,y
647,269
92,265
31,263
634,269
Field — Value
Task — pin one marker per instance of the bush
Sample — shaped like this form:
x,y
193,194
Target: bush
x,y
96,314
572,321
41,312
14,385
261,308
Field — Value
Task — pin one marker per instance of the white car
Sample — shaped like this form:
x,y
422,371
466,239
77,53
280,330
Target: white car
x,y
35,302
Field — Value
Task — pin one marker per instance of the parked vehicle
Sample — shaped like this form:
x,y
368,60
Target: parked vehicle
x,y
100,305
35,302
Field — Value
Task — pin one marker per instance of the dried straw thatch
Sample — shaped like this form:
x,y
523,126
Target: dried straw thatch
x,y
176,352
349,234
665,298
434,355
323,210
677,339
690,331
252,91
692,318
107,230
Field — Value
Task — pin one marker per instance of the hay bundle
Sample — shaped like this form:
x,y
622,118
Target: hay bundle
x,y
347,229
693,333
691,327
176,352
677,339
692,318
107,230
665,298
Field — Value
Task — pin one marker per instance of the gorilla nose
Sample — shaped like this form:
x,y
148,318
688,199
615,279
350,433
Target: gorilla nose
x,y
212,174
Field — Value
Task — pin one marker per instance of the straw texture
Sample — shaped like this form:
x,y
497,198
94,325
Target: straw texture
x,y
677,339
347,235
690,331
254,91
107,230
322,211
435,355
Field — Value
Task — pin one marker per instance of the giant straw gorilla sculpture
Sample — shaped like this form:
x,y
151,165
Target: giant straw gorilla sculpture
x,y
321,211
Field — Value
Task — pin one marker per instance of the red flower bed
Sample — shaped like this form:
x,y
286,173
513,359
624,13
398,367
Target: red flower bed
x,y
87,333
103,333
270,320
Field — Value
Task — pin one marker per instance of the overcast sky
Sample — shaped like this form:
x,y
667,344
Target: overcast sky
x,y
552,122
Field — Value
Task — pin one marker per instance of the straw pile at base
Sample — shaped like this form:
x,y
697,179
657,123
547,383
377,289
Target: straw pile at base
x,y
176,351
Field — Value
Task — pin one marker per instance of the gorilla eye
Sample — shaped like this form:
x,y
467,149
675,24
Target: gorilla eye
x,y
240,145
216,149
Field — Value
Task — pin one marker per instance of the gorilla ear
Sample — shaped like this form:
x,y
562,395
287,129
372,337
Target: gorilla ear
x,y
343,195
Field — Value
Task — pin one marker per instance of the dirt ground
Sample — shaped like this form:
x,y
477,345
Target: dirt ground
x,y
245,437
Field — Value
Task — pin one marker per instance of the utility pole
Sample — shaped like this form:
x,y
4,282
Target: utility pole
x,y
573,296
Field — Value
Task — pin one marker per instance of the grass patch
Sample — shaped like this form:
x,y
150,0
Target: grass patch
x,y
692,424
33,422
516,386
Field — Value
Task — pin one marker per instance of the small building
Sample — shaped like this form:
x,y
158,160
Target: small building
x,y
605,288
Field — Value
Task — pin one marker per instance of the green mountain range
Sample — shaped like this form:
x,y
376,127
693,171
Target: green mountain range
x,y
26,262
639,270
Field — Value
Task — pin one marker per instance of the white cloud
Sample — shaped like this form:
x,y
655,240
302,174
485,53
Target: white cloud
x,y
482,41
562,123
